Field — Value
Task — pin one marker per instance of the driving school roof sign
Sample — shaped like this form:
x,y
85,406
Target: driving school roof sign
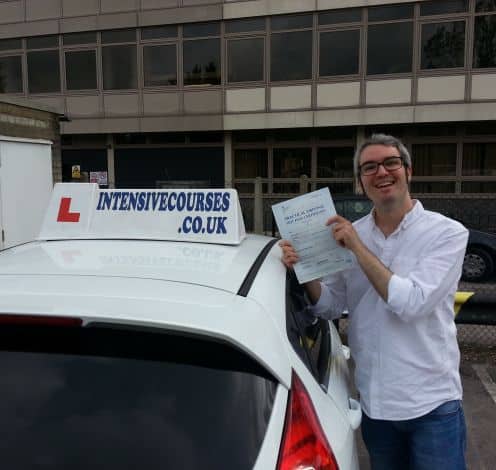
x,y
83,211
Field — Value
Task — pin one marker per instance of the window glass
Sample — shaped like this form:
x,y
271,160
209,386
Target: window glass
x,y
143,404
201,29
42,42
119,67
391,12
397,40
439,7
80,70
480,128
479,187
250,163
485,41
348,15
159,32
428,187
160,65
291,163
10,74
10,44
443,45
335,162
201,62
339,52
485,5
43,72
302,134
337,188
245,60
336,133
119,35
291,56
245,25
79,38
479,159
434,159
278,23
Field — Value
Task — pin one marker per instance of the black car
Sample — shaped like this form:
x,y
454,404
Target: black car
x,y
480,257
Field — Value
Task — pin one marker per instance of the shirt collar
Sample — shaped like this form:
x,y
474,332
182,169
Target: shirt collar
x,y
410,217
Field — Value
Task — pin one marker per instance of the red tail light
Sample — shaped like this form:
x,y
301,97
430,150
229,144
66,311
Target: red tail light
x,y
304,444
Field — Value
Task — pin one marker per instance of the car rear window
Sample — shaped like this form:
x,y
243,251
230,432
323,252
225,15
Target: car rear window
x,y
105,397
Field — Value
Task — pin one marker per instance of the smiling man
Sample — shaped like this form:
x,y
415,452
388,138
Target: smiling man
x,y
400,298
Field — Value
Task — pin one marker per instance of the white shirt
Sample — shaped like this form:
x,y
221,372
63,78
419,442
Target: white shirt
x,y
405,349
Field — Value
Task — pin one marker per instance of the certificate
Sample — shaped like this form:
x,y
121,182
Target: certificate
x,y
302,221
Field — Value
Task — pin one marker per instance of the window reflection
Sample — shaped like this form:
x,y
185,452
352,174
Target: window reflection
x,y
43,71
485,41
389,48
479,159
291,56
434,159
443,45
245,60
335,162
80,70
202,62
159,65
339,53
10,74
119,67
291,163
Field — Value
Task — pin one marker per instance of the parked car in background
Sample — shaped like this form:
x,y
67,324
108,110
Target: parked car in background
x,y
480,257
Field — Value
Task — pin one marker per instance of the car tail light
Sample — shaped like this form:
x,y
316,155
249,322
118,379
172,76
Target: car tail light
x,y
39,320
304,445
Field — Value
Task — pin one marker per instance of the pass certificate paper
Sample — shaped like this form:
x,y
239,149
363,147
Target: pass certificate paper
x,y
302,221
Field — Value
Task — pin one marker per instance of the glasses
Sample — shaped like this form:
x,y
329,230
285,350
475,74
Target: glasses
x,y
389,164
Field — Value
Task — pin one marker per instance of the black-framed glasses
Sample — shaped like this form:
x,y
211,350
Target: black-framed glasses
x,y
389,164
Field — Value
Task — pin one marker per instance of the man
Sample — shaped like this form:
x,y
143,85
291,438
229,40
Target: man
x,y
400,298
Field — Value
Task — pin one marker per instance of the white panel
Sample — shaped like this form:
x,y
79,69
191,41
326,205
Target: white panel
x,y
24,165
441,88
79,8
152,4
42,9
333,95
56,103
484,87
116,105
389,91
109,6
82,106
291,97
249,99
202,102
11,12
161,103
239,9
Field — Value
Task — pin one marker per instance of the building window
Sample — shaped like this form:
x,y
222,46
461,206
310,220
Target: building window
x,y
443,45
436,7
248,164
201,62
434,159
43,71
245,25
80,70
485,41
291,56
479,159
11,74
339,52
397,40
291,163
158,32
10,44
160,65
245,60
119,67
428,187
335,17
74,39
335,162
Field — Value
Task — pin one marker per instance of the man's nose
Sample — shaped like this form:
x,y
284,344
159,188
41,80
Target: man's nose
x,y
381,170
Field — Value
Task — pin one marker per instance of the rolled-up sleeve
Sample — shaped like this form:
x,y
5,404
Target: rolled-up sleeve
x,y
434,276
331,302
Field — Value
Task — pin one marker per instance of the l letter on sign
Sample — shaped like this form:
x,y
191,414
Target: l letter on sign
x,y
65,215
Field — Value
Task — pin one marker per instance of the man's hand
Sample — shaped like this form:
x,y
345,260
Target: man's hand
x,y
344,233
289,255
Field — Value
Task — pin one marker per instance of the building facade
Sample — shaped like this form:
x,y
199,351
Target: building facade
x,y
254,94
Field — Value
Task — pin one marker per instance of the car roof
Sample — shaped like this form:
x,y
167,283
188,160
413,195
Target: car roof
x,y
223,267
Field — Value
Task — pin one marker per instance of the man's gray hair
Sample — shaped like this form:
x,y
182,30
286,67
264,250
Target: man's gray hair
x,y
382,139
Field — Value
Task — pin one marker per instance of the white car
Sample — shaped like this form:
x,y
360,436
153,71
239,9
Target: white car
x,y
120,349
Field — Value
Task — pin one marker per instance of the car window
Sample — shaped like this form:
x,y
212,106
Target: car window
x,y
311,339
107,398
